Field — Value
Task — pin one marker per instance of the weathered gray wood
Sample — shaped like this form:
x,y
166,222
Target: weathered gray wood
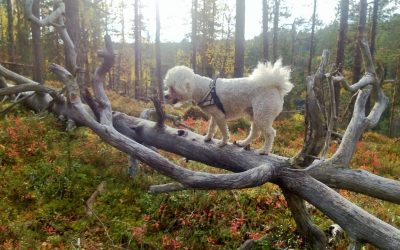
x,y
315,121
191,146
28,87
359,224
56,19
312,233
104,107
359,123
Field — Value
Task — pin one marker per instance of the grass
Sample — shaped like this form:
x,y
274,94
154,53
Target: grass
x,y
47,174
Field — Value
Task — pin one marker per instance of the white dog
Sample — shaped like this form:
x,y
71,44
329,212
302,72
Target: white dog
x,y
259,96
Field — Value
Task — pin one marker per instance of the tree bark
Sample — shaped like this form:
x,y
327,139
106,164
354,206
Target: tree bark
x,y
73,25
313,234
357,63
293,34
275,30
10,31
315,122
265,21
341,45
37,48
194,35
159,81
137,28
394,103
239,38
311,55
373,27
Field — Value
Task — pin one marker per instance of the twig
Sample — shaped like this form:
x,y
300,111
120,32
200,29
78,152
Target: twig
x,y
89,203
349,106
3,112
249,244
146,113
332,118
167,188
17,64
160,114
237,202
29,87
104,227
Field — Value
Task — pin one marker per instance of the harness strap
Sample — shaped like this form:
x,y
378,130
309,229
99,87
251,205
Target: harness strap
x,y
211,98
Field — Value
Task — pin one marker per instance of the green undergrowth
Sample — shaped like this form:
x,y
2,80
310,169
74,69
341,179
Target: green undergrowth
x,y
47,175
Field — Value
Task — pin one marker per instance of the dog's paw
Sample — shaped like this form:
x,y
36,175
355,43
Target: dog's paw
x,y
207,139
262,152
240,143
221,144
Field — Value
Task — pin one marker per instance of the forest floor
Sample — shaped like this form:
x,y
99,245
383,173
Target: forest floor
x,y
47,174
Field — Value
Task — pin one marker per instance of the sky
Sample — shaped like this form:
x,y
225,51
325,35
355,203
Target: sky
x,y
175,16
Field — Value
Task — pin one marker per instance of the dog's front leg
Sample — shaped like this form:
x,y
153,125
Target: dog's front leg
x,y
224,131
211,130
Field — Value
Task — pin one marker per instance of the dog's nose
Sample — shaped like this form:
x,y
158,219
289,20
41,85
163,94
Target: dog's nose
x,y
166,96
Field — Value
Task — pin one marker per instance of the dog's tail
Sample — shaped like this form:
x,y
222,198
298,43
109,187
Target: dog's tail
x,y
272,75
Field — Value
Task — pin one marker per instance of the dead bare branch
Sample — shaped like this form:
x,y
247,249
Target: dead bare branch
x,y
6,110
56,19
30,87
102,100
315,122
359,123
89,203
167,188
160,114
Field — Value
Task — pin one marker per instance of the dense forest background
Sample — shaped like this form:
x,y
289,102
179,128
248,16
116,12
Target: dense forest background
x,y
211,45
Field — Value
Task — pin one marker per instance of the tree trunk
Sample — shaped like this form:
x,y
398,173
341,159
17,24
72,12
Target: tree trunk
x,y
395,102
312,39
117,84
373,27
357,64
239,38
341,45
137,51
211,38
72,22
10,31
275,30
37,68
293,34
194,35
159,81
265,20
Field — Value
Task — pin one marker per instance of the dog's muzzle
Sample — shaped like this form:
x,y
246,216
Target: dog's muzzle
x,y
167,97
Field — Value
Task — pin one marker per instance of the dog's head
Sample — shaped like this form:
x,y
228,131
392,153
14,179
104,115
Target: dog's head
x,y
179,83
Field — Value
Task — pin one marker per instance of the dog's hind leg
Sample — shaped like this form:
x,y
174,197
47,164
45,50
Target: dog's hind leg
x,y
254,134
211,130
269,135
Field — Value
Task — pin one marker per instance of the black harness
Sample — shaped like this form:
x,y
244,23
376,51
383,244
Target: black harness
x,y
211,98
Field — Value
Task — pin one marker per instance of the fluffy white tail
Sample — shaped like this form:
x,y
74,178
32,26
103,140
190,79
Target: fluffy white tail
x,y
269,75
